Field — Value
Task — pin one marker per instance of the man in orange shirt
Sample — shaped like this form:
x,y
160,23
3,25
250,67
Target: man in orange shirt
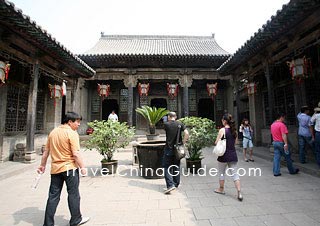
x,y
63,146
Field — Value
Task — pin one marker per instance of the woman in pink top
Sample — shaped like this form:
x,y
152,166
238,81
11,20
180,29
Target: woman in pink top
x,y
279,133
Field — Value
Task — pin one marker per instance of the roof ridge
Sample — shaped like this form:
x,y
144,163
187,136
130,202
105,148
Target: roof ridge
x,y
156,37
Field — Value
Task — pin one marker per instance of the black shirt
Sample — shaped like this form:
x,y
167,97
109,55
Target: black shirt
x,y
171,128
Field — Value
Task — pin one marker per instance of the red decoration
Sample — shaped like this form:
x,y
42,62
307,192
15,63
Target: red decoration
x,y
251,88
212,89
300,68
4,71
143,89
55,92
172,90
103,90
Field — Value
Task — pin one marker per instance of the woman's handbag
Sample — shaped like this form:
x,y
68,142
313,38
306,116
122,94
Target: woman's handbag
x,y
221,146
179,149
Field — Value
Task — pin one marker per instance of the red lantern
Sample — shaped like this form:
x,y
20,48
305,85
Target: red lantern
x,y
55,92
299,68
251,88
212,89
143,89
172,90
4,71
103,90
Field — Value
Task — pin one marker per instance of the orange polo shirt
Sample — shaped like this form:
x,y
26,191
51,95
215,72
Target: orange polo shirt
x,y
61,142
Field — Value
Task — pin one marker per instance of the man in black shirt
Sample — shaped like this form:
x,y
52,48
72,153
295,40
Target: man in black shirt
x,y
170,163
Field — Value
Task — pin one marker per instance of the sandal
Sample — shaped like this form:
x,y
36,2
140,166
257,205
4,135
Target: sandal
x,y
219,192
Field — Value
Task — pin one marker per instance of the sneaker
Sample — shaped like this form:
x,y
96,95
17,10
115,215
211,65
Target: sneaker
x,y
277,175
169,190
84,220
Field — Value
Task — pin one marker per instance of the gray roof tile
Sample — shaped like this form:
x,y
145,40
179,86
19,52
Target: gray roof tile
x,y
157,45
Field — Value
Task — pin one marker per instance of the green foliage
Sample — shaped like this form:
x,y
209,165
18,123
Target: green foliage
x,y
202,133
152,114
107,136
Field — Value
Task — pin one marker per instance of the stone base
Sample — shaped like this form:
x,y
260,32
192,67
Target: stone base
x,y
153,136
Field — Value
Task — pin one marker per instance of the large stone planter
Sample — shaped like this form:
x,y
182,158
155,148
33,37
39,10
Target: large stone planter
x,y
150,155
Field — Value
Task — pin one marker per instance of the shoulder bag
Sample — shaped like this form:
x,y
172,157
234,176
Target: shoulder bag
x,y
221,146
179,149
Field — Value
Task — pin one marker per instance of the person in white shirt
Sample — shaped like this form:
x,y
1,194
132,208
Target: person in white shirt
x,y
315,122
113,116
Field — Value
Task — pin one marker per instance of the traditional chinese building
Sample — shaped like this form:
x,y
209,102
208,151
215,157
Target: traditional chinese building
x,y
175,72
278,69
31,60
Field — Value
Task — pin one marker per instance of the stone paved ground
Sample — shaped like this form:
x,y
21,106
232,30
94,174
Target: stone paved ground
x,y
132,200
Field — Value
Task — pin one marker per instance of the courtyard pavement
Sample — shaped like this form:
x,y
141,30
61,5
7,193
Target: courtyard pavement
x,y
135,201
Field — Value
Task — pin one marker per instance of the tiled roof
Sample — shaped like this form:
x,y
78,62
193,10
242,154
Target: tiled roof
x,y
285,19
157,45
12,16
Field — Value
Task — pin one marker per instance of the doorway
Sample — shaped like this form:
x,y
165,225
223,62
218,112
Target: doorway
x,y
109,105
159,103
206,108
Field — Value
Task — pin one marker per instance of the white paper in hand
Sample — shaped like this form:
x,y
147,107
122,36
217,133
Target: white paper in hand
x,y
36,181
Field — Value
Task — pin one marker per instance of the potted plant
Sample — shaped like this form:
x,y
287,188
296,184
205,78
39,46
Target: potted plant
x,y
153,115
106,137
203,133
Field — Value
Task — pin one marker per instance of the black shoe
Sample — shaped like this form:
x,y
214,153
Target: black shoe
x,y
296,171
277,175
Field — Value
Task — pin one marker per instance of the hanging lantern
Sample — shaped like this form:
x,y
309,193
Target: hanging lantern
x,y
143,89
55,92
251,88
4,71
212,89
299,68
103,90
172,90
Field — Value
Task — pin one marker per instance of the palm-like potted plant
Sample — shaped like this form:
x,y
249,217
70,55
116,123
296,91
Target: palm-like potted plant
x,y
106,138
153,115
203,133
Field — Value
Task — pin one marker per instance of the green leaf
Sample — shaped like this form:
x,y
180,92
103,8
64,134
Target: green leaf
x,y
108,136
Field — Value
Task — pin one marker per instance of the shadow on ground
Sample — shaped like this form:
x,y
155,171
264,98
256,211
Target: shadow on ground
x,y
35,216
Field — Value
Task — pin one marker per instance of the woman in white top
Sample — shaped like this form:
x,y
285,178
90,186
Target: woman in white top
x,y
246,130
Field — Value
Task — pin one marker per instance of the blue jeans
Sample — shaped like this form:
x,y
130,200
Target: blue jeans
x,y
171,168
302,140
278,152
317,146
72,181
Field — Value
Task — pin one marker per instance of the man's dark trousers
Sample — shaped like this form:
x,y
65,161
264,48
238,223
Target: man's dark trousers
x,y
72,181
171,168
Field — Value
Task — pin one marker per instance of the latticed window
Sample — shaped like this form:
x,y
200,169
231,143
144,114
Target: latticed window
x,y
266,109
284,102
17,108
40,111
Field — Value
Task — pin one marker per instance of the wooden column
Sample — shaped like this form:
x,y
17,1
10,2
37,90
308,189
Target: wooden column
x,y
270,91
185,82
3,107
32,106
130,82
130,105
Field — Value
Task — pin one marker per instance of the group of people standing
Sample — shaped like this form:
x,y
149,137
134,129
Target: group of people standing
x,y
309,133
